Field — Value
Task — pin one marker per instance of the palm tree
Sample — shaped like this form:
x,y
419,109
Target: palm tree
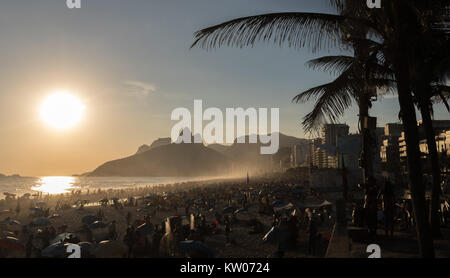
x,y
347,87
395,24
432,68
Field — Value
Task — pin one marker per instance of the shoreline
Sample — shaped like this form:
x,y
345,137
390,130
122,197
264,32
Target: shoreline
x,y
173,201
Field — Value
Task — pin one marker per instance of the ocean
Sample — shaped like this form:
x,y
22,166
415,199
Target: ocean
x,y
64,184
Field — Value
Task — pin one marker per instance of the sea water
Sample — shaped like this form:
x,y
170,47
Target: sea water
x,y
65,184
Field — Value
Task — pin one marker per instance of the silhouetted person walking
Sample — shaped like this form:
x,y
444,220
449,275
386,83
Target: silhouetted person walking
x,y
388,198
312,237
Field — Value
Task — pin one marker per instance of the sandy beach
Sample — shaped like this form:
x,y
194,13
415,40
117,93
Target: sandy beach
x,y
205,198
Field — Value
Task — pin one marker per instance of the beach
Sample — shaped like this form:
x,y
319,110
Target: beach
x,y
214,199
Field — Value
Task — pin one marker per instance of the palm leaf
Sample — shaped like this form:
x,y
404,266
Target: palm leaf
x,y
333,64
332,100
313,30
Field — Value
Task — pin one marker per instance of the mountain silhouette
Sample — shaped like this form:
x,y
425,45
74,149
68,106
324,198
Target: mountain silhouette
x,y
163,158
173,160
157,143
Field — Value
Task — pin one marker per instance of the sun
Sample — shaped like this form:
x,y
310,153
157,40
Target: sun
x,y
62,110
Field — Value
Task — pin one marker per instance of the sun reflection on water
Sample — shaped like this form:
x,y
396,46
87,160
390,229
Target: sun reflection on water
x,y
55,185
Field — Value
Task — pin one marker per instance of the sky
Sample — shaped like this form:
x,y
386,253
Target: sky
x,y
129,62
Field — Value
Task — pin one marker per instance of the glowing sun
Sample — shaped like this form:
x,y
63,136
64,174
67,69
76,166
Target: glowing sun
x,y
62,110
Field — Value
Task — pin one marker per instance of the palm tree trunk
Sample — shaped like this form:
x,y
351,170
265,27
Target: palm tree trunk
x,y
416,185
361,55
365,138
436,172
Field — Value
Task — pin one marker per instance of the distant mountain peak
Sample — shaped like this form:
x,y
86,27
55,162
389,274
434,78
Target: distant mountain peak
x,y
157,143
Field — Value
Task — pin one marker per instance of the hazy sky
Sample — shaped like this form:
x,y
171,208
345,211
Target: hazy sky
x,y
130,63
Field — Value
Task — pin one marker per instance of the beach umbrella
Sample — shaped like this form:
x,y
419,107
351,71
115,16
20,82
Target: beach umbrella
x,y
146,210
285,207
242,215
110,249
65,237
8,234
278,203
41,221
41,204
145,228
11,243
54,215
195,249
89,219
241,211
6,211
56,250
228,210
98,225
14,222
326,203
35,209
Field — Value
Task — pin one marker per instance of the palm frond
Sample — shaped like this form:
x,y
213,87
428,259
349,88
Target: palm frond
x,y
332,64
332,100
441,93
312,30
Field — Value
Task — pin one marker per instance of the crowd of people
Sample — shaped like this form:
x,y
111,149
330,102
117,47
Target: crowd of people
x,y
389,208
168,220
